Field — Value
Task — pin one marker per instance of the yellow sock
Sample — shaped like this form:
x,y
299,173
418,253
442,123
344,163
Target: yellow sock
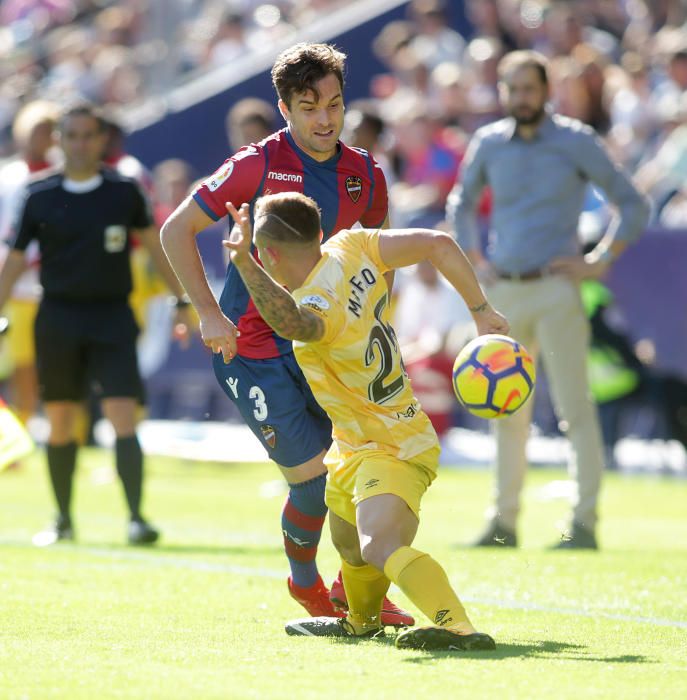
x,y
425,582
365,590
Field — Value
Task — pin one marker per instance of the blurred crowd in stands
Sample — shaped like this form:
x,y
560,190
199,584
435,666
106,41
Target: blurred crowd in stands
x,y
617,65
119,52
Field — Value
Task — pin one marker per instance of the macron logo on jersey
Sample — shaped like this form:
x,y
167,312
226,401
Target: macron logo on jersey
x,y
285,177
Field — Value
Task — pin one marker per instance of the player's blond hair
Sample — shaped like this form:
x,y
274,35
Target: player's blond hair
x,y
32,115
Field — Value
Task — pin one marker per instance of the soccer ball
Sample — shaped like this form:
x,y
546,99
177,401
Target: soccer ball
x,y
493,376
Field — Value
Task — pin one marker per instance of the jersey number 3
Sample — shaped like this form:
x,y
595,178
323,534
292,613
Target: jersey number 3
x,y
382,343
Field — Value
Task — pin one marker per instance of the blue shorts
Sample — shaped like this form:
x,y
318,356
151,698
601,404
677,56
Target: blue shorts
x,y
277,405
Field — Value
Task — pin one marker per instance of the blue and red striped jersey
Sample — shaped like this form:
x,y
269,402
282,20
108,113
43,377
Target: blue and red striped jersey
x,y
349,188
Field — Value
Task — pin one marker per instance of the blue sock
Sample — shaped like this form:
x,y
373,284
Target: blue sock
x,y
301,523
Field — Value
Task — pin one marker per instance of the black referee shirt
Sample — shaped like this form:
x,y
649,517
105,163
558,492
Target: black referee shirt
x,y
84,238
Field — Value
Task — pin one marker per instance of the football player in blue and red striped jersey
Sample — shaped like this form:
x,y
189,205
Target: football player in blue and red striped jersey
x,y
255,367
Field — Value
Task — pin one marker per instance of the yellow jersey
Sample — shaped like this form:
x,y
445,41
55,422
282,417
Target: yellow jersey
x,y
355,371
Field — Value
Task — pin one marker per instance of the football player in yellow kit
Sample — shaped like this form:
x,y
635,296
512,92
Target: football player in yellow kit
x,y
385,452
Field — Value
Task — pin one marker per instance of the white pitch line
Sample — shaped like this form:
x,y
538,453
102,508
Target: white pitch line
x,y
181,563
517,605
162,560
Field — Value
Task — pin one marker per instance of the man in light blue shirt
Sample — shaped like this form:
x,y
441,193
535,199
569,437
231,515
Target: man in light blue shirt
x,y
538,166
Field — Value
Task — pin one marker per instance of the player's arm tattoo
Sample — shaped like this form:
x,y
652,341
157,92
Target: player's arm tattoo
x,y
479,307
278,307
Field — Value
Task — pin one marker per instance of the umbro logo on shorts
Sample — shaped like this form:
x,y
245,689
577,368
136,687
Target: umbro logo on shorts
x,y
372,482
441,619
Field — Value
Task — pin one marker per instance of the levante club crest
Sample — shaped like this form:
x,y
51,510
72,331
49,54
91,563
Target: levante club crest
x,y
269,434
354,187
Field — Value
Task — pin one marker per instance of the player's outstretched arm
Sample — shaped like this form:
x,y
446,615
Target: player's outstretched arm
x,y
403,247
150,239
178,238
276,306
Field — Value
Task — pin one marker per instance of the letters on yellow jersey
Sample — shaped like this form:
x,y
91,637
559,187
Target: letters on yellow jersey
x,y
359,284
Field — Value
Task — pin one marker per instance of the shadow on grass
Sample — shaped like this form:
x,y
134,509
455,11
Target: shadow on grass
x,y
543,649
222,551
218,550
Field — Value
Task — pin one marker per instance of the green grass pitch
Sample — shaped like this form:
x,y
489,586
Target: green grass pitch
x,y
201,615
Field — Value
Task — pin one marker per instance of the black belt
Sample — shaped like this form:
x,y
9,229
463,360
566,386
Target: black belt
x,y
524,276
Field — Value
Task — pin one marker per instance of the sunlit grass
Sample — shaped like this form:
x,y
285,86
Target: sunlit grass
x,y
201,615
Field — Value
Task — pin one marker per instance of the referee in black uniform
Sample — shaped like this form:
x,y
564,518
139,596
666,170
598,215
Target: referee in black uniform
x,y
83,217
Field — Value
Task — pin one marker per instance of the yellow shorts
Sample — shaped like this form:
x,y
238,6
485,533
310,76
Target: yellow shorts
x,y
20,338
355,476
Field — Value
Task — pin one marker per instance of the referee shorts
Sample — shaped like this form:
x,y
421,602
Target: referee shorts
x,y
356,476
86,346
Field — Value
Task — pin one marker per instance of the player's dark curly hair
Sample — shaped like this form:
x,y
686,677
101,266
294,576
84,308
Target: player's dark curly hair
x,y
288,217
300,67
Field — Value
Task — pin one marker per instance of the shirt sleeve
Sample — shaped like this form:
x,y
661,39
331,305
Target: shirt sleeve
x,y
237,180
142,216
360,242
378,210
323,303
370,245
633,208
462,202
24,228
